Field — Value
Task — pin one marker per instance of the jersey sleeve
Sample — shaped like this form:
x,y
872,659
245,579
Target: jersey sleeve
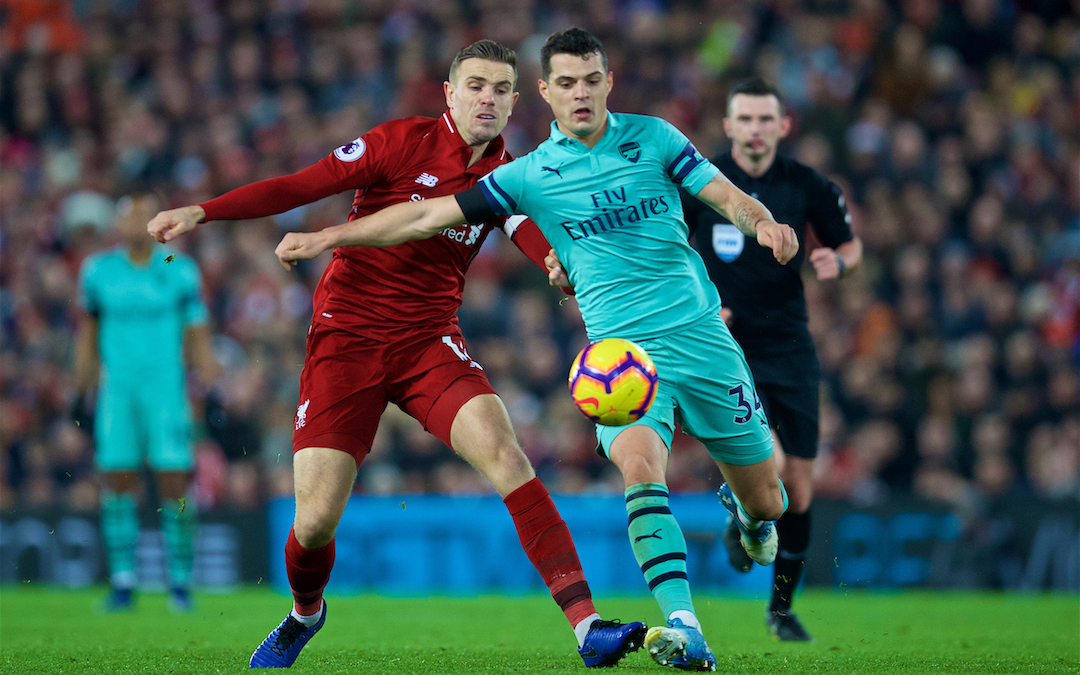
x,y
828,212
686,166
353,166
504,188
192,308
87,295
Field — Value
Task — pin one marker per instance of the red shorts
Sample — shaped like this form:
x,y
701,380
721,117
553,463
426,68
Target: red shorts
x,y
348,379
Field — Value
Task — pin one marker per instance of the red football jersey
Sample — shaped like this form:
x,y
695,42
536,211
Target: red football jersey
x,y
412,288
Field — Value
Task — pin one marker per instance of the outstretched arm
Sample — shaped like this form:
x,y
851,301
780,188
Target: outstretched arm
x,y
750,216
263,198
395,224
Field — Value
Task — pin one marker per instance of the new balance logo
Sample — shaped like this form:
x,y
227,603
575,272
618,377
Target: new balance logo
x,y
654,535
301,414
554,170
427,180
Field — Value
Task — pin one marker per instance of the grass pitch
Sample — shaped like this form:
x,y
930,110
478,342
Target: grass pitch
x,y
45,630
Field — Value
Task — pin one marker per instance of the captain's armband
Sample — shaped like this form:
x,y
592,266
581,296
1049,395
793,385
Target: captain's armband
x,y
474,206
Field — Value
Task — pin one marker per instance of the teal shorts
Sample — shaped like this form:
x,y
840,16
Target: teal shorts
x,y
705,386
139,422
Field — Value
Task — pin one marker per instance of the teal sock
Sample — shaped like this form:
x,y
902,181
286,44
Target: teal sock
x,y
120,529
659,546
178,522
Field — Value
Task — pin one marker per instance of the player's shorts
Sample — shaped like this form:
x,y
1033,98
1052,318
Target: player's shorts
x,y
348,379
792,406
144,421
705,386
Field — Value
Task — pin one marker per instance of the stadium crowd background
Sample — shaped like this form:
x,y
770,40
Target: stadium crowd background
x,y
950,359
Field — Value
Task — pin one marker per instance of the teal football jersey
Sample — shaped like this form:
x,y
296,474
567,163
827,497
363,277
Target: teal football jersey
x,y
612,213
142,311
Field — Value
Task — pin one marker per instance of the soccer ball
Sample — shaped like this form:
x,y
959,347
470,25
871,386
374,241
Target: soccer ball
x,y
613,382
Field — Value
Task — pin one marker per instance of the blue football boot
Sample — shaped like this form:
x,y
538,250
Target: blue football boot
x,y
680,646
180,600
760,544
118,600
608,641
283,644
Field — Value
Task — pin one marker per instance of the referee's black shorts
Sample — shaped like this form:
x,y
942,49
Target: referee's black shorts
x,y
790,388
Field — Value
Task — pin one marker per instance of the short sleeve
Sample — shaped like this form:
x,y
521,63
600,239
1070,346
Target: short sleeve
x,y
828,213
87,297
686,166
503,188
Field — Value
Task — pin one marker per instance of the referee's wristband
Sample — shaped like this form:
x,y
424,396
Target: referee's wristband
x,y
841,264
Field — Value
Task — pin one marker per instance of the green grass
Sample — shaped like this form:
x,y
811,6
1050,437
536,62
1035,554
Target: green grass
x,y
46,630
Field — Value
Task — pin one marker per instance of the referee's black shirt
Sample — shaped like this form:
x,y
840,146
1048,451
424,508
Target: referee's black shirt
x,y
766,298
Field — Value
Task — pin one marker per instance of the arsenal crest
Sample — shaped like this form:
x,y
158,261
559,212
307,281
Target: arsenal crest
x,y
631,151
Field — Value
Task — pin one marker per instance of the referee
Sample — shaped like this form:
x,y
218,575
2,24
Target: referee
x,y
766,310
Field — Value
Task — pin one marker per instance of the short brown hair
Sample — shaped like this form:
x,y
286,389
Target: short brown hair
x,y
574,41
755,86
488,50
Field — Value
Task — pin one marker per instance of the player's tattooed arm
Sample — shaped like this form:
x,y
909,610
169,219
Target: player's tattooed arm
x,y
750,216
395,224
744,218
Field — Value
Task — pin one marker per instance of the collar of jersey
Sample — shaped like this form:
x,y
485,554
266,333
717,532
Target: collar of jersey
x,y
494,151
569,142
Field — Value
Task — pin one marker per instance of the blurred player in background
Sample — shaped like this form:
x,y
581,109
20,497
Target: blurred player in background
x,y
142,304
604,191
766,310
385,330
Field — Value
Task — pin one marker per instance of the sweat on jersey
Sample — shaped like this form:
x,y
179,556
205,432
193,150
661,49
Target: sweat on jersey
x,y
413,288
612,213
142,311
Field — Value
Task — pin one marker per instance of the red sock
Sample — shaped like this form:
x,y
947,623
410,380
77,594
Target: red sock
x,y
309,570
547,542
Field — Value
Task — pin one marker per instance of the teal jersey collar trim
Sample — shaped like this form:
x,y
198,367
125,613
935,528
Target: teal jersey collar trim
x,y
568,141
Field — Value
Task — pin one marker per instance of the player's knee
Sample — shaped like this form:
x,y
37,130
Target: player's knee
x,y
641,468
799,500
510,468
314,530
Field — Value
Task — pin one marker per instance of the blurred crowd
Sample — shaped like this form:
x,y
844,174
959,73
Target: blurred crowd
x,y
950,358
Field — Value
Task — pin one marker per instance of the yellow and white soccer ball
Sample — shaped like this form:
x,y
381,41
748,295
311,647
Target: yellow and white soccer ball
x,y
613,382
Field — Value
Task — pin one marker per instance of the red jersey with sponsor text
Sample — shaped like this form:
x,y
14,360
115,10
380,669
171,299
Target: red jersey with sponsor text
x,y
412,288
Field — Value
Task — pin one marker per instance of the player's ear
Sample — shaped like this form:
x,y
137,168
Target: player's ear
x,y
785,126
727,126
448,90
513,102
542,86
